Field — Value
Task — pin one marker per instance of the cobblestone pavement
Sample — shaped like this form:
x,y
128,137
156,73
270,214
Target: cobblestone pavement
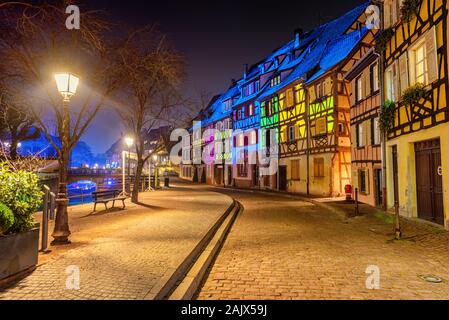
x,y
122,254
282,248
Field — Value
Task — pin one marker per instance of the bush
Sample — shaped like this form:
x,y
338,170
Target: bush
x,y
20,192
6,219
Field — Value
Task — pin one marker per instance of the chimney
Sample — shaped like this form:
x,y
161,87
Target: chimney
x,y
298,34
245,71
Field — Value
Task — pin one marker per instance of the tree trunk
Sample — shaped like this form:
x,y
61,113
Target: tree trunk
x,y
137,178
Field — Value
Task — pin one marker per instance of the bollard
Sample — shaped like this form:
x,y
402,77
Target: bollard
x,y
397,226
356,202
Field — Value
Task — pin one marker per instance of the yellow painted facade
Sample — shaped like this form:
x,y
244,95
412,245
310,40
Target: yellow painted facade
x,y
428,119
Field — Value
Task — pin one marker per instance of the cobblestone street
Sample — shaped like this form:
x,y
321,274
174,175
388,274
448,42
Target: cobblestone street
x,y
123,254
284,248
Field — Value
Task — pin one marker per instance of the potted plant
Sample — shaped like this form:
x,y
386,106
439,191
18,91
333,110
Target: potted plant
x,y
414,94
383,38
409,9
20,198
386,118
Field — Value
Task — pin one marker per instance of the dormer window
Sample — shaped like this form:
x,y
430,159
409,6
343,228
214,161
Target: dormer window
x,y
227,105
275,81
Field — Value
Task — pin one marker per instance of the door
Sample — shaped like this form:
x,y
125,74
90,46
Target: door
x,y
429,181
283,178
229,182
378,186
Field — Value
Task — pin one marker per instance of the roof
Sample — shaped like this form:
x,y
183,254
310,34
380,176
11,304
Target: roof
x,y
308,57
326,46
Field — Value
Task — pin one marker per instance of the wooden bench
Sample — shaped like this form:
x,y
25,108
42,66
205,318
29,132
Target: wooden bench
x,y
107,196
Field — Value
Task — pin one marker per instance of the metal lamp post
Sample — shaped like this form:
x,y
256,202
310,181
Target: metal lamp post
x,y
67,85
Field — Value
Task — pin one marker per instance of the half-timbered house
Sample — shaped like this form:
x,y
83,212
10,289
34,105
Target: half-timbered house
x,y
416,65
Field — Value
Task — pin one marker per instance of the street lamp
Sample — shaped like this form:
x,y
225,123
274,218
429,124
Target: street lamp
x,y
129,142
67,84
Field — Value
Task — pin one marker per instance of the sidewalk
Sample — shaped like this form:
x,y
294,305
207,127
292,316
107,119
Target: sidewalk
x,y
124,254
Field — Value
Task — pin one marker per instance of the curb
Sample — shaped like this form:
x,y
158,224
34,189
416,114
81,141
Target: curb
x,y
172,276
192,282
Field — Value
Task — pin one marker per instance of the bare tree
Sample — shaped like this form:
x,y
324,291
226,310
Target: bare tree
x,y
34,44
150,71
17,122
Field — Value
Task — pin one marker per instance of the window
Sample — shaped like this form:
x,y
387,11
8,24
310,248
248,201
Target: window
x,y
241,140
420,67
257,86
363,181
239,114
321,126
251,109
275,81
318,167
242,170
359,89
360,135
291,133
341,129
319,91
423,64
375,133
374,78
390,82
227,105
253,137
227,124
290,99
295,173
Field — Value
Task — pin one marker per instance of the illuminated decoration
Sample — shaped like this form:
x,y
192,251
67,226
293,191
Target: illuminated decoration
x,y
67,84
269,112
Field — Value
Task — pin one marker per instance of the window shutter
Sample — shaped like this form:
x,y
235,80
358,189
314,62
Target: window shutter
x,y
364,133
353,93
396,81
368,132
432,57
312,94
328,86
403,73
395,11
290,98
367,82
354,136
367,182
387,14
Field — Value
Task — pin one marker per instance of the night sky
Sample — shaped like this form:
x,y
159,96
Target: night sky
x,y
217,38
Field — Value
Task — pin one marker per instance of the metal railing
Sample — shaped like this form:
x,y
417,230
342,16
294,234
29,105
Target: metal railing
x,y
48,213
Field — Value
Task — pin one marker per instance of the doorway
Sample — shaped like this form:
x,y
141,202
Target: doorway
x,y
283,178
429,181
378,187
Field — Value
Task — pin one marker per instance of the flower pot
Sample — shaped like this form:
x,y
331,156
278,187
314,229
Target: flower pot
x,y
18,252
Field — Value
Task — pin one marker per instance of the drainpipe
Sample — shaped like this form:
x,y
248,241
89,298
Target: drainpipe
x,y
382,99
306,94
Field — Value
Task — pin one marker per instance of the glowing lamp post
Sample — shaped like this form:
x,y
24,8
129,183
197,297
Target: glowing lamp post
x,y
67,85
